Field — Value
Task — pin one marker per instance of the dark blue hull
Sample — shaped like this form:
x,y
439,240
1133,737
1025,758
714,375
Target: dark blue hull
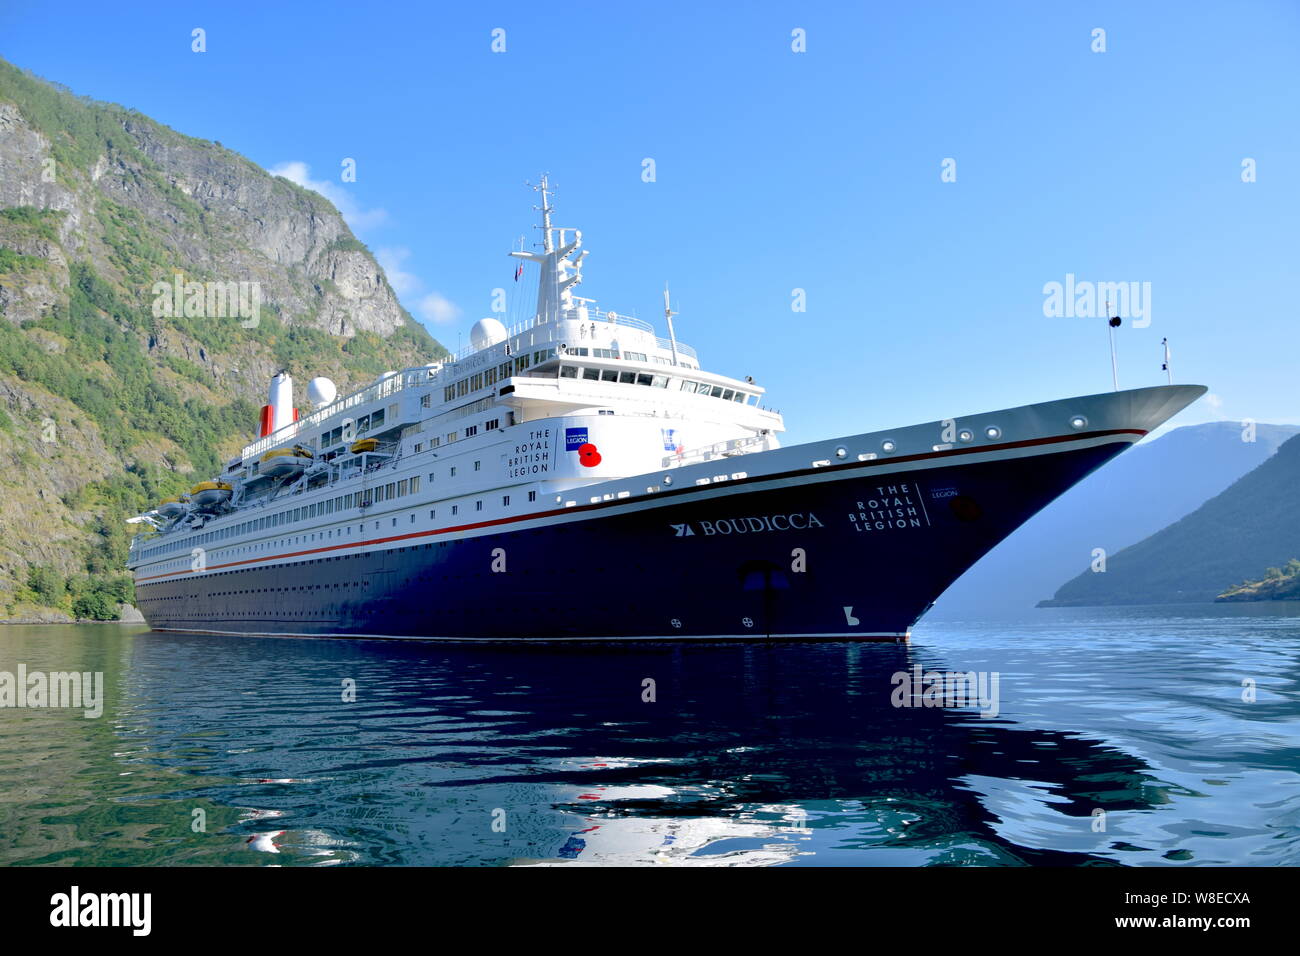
x,y
841,552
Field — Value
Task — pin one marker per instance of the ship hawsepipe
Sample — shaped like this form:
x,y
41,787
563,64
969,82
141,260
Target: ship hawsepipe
x,y
851,538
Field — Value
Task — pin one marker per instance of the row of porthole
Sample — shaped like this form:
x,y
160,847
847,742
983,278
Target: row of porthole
x,y
992,432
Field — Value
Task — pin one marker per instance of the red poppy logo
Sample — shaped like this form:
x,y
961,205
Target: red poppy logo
x,y
588,456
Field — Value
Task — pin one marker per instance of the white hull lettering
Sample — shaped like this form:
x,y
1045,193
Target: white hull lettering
x,y
759,523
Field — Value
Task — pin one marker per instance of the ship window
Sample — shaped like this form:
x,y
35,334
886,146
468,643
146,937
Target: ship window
x,y
449,393
717,391
568,371
504,369
451,437
627,378
415,484
521,363
478,506
426,401
505,500
643,378
478,466
452,473
433,513
591,374
493,423
634,356
390,488
476,382
532,496
688,386
394,522
490,377
462,387
435,442
419,447
471,431
609,375
455,509
740,397
431,477
727,395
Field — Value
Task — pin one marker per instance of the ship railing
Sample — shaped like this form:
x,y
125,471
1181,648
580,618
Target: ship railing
x,y
721,449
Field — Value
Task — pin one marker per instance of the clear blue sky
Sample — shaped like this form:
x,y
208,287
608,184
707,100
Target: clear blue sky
x,y
778,170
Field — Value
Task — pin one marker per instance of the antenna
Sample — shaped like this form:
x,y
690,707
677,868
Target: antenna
x,y
1168,366
668,314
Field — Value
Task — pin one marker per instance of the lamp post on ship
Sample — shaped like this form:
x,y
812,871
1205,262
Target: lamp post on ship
x,y
1113,322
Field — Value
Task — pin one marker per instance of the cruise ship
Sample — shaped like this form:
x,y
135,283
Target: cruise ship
x,y
580,477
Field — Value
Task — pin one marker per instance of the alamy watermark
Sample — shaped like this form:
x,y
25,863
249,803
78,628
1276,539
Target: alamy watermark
x,y
1090,300
977,689
56,689
208,300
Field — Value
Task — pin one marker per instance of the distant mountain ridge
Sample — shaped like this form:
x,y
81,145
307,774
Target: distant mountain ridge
x,y
1235,536
106,405
1145,489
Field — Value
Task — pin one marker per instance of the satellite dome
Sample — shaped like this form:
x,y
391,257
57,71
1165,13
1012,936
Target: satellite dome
x,y
487,332
321,392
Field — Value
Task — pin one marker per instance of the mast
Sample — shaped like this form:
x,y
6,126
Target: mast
x,y
544,188
668,314
555,281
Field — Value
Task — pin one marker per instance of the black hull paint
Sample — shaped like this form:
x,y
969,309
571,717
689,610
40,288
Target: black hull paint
x,y
798,561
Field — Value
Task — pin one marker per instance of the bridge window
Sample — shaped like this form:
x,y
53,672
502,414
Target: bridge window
x,y
609,375
568,371
634,356
591,374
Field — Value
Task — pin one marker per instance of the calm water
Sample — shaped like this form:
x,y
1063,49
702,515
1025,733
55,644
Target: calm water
x,y
779,754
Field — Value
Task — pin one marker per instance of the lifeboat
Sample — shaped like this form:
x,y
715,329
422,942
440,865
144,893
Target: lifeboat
x,y
286,462
362,445
171,508
209,494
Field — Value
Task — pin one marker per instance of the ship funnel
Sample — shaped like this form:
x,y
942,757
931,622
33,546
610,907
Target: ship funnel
x,y
279,410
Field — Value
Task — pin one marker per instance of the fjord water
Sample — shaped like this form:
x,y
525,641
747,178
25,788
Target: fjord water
x,y
218,750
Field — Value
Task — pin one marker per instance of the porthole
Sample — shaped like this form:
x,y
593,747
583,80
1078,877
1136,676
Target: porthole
x,y
1078,422
993,432
965,435
668,480
841,452
887,446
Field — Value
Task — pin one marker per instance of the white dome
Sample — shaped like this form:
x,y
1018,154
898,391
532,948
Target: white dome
x,y
321,391
487,332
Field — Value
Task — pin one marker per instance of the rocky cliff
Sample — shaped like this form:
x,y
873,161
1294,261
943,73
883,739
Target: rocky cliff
x,y
150,286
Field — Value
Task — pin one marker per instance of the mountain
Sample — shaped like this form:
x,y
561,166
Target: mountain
x,y
1234,536
114,390
1145,489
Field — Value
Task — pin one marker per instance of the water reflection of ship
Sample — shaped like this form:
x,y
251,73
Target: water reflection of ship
x,y
796,756
740,742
